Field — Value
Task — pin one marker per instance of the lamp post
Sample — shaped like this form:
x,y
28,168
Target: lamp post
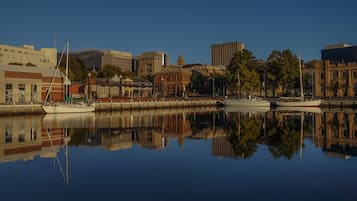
x,y
163,86
89,74
120,85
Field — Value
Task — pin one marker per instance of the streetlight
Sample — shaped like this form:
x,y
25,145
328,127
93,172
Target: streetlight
x,y
89,74
163,86
120,85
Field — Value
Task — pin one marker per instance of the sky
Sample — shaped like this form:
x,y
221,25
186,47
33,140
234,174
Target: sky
x,y
186,27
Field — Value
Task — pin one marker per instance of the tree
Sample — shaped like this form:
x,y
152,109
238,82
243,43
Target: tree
x,y
198,83
109,71
243,63
30,64
76,68
284,68
15,63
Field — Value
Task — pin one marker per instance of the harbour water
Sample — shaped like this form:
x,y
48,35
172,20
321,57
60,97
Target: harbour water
x,y
180,154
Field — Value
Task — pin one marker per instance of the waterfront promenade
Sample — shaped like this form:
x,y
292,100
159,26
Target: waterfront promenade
x,y
143,104
117,105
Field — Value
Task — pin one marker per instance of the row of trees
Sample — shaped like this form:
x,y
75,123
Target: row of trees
x,y
243,71
78,70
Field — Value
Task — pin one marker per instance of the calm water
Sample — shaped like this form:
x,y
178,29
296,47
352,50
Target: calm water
x,y
181,154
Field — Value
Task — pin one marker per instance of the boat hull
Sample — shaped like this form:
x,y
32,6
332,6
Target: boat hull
x,y
304,103
246,103
68,108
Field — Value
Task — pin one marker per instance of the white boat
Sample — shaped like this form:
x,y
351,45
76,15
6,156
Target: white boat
x,y
246,102
298,101
66,107
290,102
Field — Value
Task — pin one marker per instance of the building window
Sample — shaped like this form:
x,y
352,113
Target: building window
x,y
8,136
22,135
355,74
345,75
34,93
33,135
21,93
355,89
322,75
8,93
334,74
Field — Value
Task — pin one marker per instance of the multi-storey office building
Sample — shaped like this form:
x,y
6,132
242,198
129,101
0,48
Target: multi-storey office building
x,y
341,53
149,63
27,55
119,59
333,79
222,53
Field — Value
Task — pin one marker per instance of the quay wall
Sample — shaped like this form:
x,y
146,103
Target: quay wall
x,y
19,109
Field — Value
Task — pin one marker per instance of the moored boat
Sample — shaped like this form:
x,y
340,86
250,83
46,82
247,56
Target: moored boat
x,y
68,108
246,102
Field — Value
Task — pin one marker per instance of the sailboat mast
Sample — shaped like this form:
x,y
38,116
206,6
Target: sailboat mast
x,y
66,81
301,86
238,84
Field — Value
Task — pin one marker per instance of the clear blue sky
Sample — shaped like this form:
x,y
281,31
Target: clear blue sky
x,y
186,27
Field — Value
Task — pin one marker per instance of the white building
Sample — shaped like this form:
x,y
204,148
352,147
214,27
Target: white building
x,y
119,59
28,56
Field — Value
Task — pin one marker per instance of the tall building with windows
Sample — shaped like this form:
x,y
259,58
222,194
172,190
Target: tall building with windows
x,y
342,53
149,63
28,56
333,79
119,59
222,53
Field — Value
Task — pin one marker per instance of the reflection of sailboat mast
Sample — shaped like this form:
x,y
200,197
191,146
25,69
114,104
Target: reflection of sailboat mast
x,y
67,171
57,160
301,135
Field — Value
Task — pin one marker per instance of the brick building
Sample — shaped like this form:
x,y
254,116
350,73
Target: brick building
x,y
24,84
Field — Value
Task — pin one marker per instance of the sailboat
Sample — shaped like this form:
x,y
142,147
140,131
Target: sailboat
x,y
66,107
298,101
246,102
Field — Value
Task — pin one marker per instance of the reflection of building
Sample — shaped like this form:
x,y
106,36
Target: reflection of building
x,y
221,147
117,141
337,132
28,56
222,53
22,84
334,79
339,53
149,63
119,59
23,138
175,126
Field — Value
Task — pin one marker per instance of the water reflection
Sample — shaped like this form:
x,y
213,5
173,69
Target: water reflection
x,y
234,134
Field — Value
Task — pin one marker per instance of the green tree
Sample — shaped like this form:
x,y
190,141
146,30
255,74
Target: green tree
x,y
284,68
30,64
198,83
109,71
244,63
76,68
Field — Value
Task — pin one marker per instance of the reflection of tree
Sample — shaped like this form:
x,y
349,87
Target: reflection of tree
x,y
242,133
77,136
284,140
